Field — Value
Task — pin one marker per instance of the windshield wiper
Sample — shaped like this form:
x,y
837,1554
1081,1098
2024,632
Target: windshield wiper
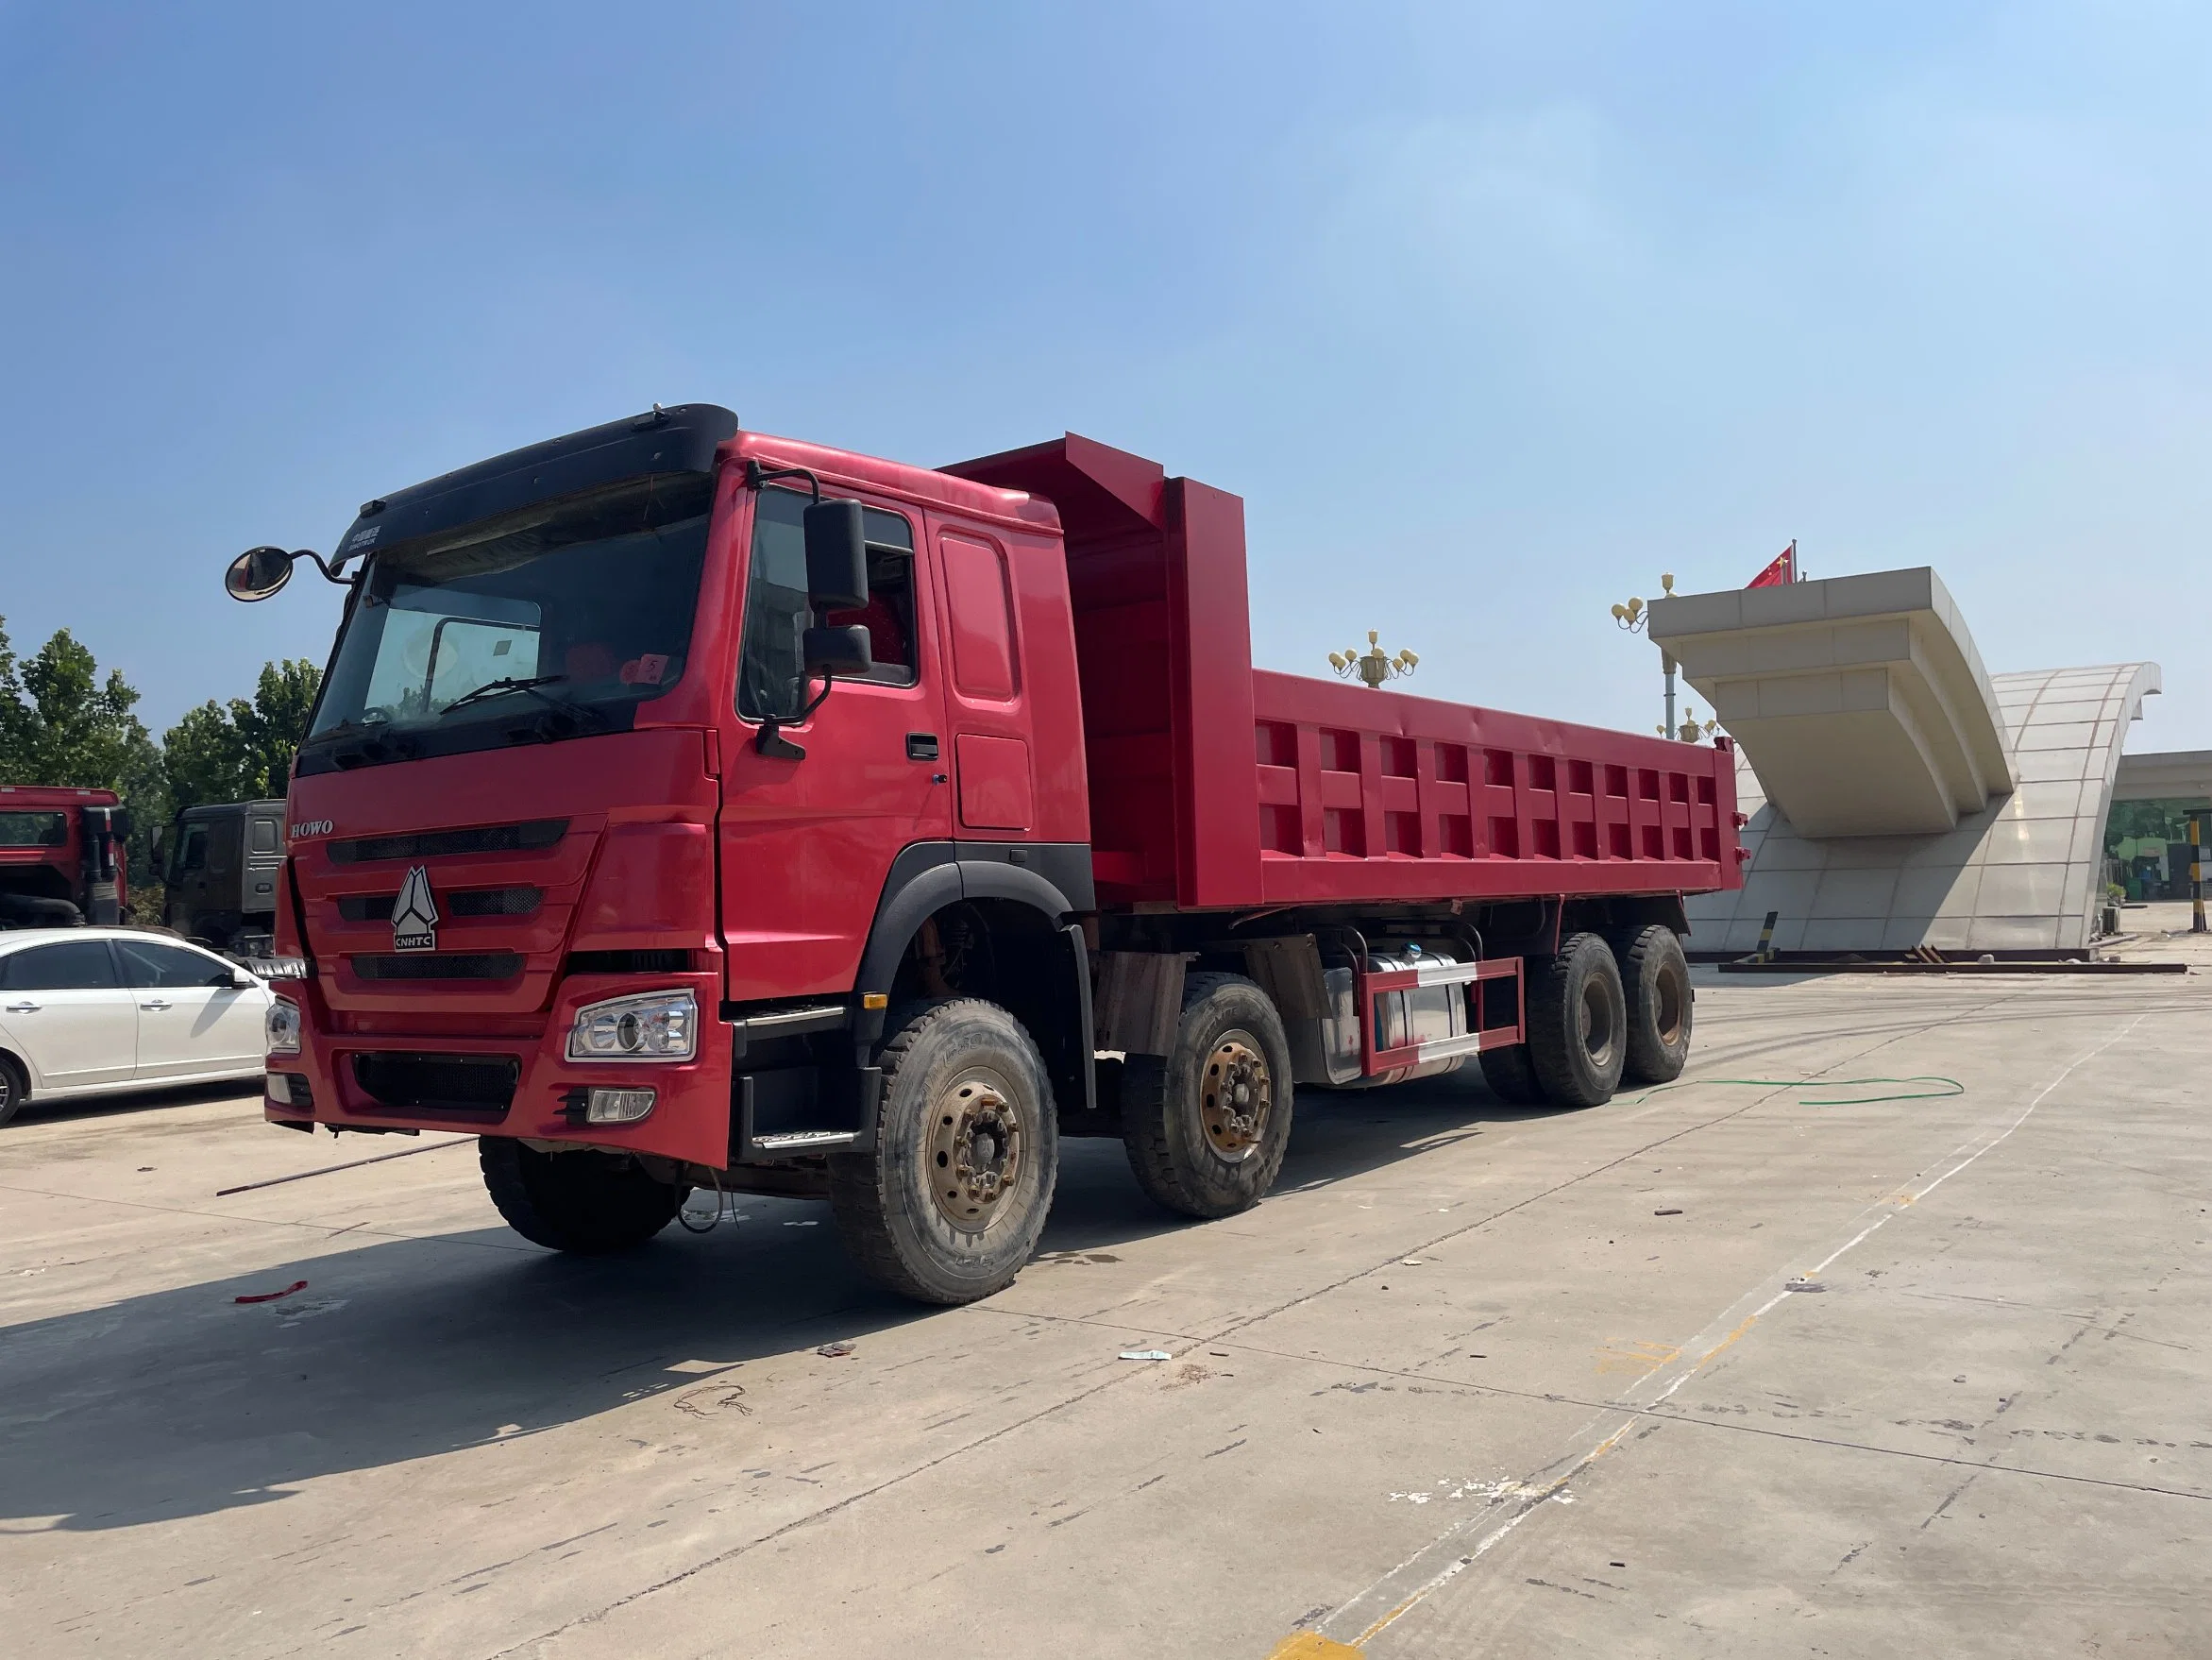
x,y
529,682
347,728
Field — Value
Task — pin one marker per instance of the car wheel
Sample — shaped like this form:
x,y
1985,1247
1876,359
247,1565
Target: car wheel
x,y
14,1087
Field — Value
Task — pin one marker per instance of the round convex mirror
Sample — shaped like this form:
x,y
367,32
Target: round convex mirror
x,y
257,573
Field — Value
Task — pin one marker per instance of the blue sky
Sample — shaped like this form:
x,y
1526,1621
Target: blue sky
x,y
1491,314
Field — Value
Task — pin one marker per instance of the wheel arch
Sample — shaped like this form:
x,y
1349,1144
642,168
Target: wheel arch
x,y
1039,965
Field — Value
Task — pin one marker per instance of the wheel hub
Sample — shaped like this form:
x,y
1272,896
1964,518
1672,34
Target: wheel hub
x,y
974,1153
1594,1018
1235,1098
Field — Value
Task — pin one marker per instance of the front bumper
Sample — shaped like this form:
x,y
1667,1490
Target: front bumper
x,y
690,1118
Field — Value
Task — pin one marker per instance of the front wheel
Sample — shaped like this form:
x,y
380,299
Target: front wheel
x,y
584,1202
948,1204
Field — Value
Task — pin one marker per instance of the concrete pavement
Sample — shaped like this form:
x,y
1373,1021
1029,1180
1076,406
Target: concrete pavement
x,y
1474,1380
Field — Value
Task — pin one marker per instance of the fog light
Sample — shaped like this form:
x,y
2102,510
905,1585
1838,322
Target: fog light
x,y
616,1106
281,1088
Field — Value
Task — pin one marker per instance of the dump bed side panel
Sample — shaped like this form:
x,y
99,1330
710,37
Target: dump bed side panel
x,y
1368,795
1215,786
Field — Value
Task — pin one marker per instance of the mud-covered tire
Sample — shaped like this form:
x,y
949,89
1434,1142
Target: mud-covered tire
x,y
1578,1022
14,1088
1184,1156
1511,1076
965,1098
583,1202
1655,979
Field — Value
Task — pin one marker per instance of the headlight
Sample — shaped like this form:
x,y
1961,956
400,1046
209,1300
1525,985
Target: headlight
x,y
281,1026
656,1025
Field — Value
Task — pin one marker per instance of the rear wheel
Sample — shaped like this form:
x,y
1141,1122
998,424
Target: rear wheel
x,y
1655,977
948,1204
1578,1022
14,1088
1511,1076
582,1201
1207,1126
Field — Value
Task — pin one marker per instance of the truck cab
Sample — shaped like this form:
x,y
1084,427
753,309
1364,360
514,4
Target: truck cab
x,y
220,866
62,860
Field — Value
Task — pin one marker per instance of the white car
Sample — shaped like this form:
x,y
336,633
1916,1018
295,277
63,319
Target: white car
x,y
88,1010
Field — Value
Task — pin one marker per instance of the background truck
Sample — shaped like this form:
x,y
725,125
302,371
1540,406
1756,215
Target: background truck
x,y
220,865
686,807
62,860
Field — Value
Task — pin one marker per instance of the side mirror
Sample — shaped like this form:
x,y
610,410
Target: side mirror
x,y
259,573
837,650
122,820
160,850
836,556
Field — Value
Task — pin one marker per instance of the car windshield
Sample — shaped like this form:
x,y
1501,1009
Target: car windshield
x,y
34,830
581,602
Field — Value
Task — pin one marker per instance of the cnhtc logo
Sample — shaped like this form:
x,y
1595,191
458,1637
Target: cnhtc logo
x,y
415,914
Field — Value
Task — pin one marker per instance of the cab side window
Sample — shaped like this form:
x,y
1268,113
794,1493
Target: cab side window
x,y
772,677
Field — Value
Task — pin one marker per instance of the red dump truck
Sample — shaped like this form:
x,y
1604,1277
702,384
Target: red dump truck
x,y
688,807
61,857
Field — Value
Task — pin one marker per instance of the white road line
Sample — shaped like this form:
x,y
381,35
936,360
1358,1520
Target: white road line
x,y
1444,1559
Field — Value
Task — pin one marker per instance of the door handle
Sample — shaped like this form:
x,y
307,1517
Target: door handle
x,y
157,1003
921,746
23,1009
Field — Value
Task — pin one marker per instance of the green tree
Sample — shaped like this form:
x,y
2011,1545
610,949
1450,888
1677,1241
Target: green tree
x,y
60,723
242,750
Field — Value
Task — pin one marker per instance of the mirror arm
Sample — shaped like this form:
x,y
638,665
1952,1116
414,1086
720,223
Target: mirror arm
x,y
756,476
771,740
328,568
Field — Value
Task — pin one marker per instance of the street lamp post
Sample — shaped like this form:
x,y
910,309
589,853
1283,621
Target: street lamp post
x,y
1374,666
1631,618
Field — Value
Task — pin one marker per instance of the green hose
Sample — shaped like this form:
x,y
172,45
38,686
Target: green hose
x,y
1952,1088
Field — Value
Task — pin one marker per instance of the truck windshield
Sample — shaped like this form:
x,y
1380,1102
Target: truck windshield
x,y
34,830
583,603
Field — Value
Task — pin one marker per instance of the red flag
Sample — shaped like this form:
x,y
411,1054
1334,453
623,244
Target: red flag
x,y
1780,573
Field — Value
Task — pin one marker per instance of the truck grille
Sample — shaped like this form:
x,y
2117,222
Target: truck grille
x,y
430,844
451,965
630,962
468,902
478,1085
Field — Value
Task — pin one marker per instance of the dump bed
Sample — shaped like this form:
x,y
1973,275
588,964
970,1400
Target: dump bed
x,y
1214,785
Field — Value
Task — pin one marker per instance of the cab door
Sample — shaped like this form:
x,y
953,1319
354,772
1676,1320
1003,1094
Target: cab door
x,y
265,859
188,876
806,843
980,648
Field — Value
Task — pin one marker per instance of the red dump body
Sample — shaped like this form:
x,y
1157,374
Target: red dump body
x,y
1214,785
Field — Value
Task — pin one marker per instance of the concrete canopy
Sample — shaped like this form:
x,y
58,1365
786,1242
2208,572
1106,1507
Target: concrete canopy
x,y
1859,701
2182,775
